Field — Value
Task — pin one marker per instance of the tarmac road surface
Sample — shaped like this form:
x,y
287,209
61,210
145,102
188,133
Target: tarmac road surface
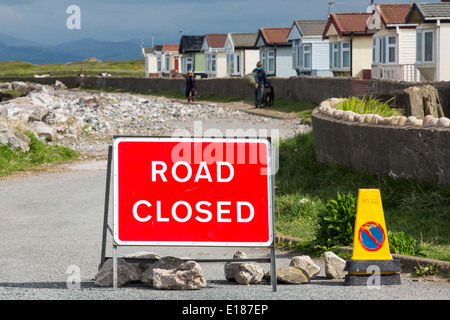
x,y
51,224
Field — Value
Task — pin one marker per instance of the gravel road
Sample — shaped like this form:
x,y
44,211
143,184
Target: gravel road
x,y
51,230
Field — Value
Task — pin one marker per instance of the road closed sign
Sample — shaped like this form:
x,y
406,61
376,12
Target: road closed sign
x,y
192,191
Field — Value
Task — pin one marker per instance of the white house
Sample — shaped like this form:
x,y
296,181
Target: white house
x,y
242,55
152,58
310,53
433,39
275,52
394,44
215,57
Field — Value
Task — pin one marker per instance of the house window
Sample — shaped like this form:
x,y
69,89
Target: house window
x,y
188,64
210,63
346,55
213,63
307,56
340,55
335,63
419,47
294,54
428,37
158,63
233,64
374,50
167,63
392,49
271,61
425,46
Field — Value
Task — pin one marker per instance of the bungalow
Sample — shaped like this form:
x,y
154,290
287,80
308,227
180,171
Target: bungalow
x,y
171,59
310,53
275,52
215,57
192,59
433,39
394,44
152,58
350,44
241,53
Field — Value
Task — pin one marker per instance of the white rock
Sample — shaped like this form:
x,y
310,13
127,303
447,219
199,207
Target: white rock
x,y
334,266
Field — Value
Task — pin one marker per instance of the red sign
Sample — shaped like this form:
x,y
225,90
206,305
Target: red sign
x,y
192,191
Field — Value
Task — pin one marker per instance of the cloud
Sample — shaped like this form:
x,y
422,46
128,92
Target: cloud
x,y
10,14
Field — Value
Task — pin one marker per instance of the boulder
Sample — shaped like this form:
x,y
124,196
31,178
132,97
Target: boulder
x,y
334,266
60,86
43,130
168,263
290,275
126,273
417,101
10,135
187,276
20,86
305,263
243,272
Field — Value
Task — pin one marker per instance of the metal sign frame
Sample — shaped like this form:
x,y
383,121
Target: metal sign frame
x,y
111,171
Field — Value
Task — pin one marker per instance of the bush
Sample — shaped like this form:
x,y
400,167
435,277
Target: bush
x,y
337,222
402,243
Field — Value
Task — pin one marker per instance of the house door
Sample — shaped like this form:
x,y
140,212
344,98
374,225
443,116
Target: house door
x,y
176,65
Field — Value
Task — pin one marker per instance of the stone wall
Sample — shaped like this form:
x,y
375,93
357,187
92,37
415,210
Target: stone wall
x,y
398,147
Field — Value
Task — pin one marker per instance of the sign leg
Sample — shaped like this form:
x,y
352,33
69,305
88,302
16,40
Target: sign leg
x,y
273,268
105,216
115,267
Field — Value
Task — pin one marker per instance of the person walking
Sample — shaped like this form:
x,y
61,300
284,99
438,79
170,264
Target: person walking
x,y
190,86
261,80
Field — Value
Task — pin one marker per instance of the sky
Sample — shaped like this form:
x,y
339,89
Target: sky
x,y
46,21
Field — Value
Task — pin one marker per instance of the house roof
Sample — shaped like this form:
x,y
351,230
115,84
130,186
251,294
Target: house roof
x,y
158,47
243,40
191,43
216,40
170,47
274,36
348,23
310,27
394,13
431,11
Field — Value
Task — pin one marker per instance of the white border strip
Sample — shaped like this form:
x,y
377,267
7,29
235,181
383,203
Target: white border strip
x,y
270,190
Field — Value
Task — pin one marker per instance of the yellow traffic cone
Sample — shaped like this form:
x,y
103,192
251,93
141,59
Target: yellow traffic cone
x,y
370,244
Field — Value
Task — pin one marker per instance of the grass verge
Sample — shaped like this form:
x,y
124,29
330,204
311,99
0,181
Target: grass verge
x,y
304,186
40,153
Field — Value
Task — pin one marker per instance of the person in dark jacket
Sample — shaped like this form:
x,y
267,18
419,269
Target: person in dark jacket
x,y
261,79
190,87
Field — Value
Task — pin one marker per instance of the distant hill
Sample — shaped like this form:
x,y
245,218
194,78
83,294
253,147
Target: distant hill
x,y
12,48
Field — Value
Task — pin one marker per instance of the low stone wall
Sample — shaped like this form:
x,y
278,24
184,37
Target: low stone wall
x,y
301,89
397,146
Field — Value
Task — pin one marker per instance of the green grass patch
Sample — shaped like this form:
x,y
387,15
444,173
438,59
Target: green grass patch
x,y
12,161
369,106
130,68
419,210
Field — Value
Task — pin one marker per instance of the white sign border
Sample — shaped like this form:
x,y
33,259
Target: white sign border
x,y
270,186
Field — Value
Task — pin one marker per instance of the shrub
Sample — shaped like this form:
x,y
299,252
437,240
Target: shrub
x,y
402,243
337,222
